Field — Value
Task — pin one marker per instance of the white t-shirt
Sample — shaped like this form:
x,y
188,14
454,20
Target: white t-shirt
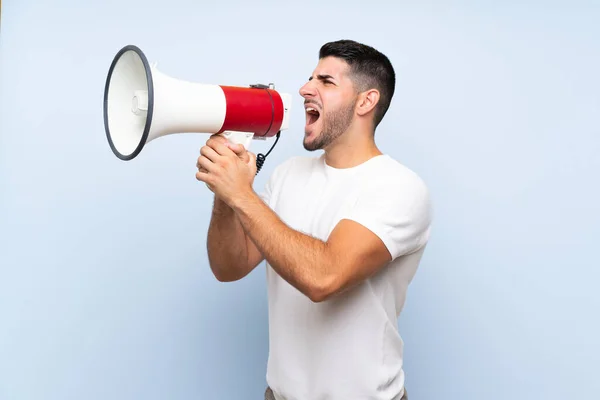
x,y
347,347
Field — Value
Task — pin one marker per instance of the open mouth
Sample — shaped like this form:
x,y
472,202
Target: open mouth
x,y
312,115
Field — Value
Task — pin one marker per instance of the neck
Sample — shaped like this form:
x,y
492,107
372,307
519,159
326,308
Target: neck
x,y
352,148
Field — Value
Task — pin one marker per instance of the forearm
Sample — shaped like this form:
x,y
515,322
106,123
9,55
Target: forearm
x,y
302,260
226,243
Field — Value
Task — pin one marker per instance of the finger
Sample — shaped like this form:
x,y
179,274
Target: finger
x,y
204,177
200,167
209,153
240,151
205,163
237,148
219,146
251,158
218,137
252,162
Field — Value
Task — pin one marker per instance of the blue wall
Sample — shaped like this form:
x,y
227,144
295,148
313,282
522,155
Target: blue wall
x,y
105,291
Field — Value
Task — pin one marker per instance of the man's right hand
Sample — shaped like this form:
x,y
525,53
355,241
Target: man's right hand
x,y
244,155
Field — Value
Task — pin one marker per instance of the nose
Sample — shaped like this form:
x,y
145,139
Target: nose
x,y
307,90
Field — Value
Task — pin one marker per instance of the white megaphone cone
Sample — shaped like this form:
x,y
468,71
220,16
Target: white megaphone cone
x,y
142,104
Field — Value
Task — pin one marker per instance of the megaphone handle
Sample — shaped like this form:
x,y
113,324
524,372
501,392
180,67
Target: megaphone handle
x,y
235,137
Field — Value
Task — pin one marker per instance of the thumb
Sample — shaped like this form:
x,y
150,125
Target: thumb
x,y
239,150
252,161
236,148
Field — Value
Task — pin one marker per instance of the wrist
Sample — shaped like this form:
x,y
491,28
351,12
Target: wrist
x,y
243,198
220,207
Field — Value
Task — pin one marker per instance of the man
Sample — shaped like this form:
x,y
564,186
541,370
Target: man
x,y
342,235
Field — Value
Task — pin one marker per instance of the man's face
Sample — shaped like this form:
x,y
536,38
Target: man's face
x,y
329,100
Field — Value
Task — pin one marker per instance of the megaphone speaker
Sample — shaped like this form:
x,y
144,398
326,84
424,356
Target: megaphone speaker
x,y
142,104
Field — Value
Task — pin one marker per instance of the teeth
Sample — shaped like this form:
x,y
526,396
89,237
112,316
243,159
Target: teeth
x,y
309,109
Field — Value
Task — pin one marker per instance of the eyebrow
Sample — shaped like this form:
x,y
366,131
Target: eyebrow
x,y
322,77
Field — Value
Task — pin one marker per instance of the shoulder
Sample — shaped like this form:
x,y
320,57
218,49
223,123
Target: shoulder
x,y
394,203
392,179
395,195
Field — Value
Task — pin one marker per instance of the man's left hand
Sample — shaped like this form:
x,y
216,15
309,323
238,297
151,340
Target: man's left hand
x,y
223,171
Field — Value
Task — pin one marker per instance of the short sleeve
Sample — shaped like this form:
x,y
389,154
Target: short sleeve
x,y
400,216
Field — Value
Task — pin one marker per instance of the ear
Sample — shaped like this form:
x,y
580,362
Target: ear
x,y
367,101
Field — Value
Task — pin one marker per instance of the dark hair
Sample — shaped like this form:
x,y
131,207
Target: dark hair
x,y
369,69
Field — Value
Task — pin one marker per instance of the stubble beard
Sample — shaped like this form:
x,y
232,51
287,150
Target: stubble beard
x,y
334,125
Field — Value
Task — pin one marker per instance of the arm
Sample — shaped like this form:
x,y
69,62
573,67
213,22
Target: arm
x,y
377,230
316,268
231,254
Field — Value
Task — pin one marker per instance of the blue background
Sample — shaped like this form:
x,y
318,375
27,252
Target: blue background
x,y
105,290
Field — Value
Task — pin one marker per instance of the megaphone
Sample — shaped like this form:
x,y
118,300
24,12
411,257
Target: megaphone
x,y
142,104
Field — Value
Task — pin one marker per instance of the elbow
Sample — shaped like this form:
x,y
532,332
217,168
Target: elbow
x,y
225,274
322,291
318,297
225,277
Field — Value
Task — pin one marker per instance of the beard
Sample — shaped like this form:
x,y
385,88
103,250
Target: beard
x,y
335,123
